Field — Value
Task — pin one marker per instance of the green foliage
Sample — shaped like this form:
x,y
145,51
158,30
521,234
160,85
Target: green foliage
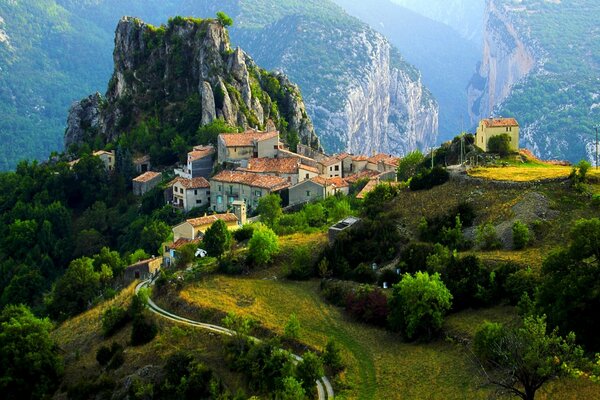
x,y
224,19
376,200
409,165
209,134
309,370
332,357
292,390
291,331
30,367
447,228
521,235
499,144
486,237
269,209
429,178
110,357
578,175
244,233
113,319
217,239
486,340
418,305
187,378
143,331
263,246
302,264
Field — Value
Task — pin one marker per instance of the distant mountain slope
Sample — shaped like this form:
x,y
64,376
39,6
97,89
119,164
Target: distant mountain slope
x,y
541,64
444,57
363,98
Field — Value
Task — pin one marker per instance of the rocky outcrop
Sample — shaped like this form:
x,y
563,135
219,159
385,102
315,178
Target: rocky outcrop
x,y
507,58
84,120
162,70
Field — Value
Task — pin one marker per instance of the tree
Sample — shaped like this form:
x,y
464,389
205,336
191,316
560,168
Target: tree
x,y
499,144
153,235
209,134
76,289
217,239
269,208
418,305
224,19
521,235
309,370
409,165
291,330
332,357
487,238
263,245
30,367
292,390
525,358
111,259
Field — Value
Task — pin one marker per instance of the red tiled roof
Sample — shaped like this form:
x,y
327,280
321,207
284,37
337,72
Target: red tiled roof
x,y
194,183
272,183
246,139
273,165
368,187
147,176
210,219
360,158
309,168
337,181
200,152
182,242
330,161
343,156
363,174
387,159
499,122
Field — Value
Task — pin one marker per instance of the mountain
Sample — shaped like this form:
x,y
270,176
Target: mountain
x,y
359,92
445,58
465,16
541,65
185,75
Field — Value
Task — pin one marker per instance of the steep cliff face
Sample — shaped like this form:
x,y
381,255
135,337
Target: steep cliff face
x,y
186,70
363,97
508,57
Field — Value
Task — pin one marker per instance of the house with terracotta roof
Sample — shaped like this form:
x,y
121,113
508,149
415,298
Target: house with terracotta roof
x,y
107,157
143,269
331,167
195,228
383,163
316,189
171,249
200,163
228,186
190,193
491,127
290,169
359,163
237,147
346,160
146,182
142,163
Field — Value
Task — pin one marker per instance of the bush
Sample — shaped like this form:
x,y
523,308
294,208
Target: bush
x,y
224,19
232,265
244,233
364,273
388,276
368,304
429,179
110,357
309,370
499,144
291,330
486,339
143,331
336,292
332,357
413,257
103,355
418,305
263,246
302,266
521,235
487,238
466,279
523,281
113,319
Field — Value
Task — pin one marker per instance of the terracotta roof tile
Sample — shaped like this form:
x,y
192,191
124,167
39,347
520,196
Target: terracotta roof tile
x,y
200,152
368,187
360,158
273,165
309,168
272,183
330,161
210,219
194,183
147,176
182,242
500,122
246,139
337,181
386,158
361,175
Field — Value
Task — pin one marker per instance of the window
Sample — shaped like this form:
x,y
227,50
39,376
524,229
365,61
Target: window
x,y
219,199
258,193
231,200
331,168
230,189
307,176
198,201
195,192
337,167
219,188
308,193
208,192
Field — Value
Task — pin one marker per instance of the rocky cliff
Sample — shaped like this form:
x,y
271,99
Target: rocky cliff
x,y
186,71
508,57
363,97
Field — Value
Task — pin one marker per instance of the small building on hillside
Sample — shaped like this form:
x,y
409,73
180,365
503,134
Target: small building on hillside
x,y
317,188
171,250
107,157
146,182
199,163
195,228
383,163
491,127
290,169
237,147
190,193
142,163
341,226
228,186
331,167
143,270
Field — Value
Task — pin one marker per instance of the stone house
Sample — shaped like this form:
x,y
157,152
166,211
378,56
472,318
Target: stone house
x,y
107,157
331,167
146,182
290,169
383,163
142,164
190,193
228,186
170,250
143,270
200,163
237,147
491,127
195,228
316,189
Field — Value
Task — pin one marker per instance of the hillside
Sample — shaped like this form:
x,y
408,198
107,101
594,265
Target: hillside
x,y
540,65
438,50
335,95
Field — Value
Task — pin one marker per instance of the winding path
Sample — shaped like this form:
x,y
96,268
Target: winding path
x,y
324,388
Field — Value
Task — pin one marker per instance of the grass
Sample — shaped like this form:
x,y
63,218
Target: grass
x,y
527,172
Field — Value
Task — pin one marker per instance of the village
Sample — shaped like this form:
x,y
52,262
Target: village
x,y
228,181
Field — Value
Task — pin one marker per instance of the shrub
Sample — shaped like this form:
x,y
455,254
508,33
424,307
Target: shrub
x,y
487,238
486,339
244,233
103,355
413,257
523,281
429,179
309,370
466,279
332,357
263,246
388,276
418,305
499,144
364,273
110,357
224,19
336,292
143,331
113,319
291,330
302,266
521,235
368,304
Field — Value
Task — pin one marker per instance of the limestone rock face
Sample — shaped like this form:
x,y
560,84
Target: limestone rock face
x,y
159,71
